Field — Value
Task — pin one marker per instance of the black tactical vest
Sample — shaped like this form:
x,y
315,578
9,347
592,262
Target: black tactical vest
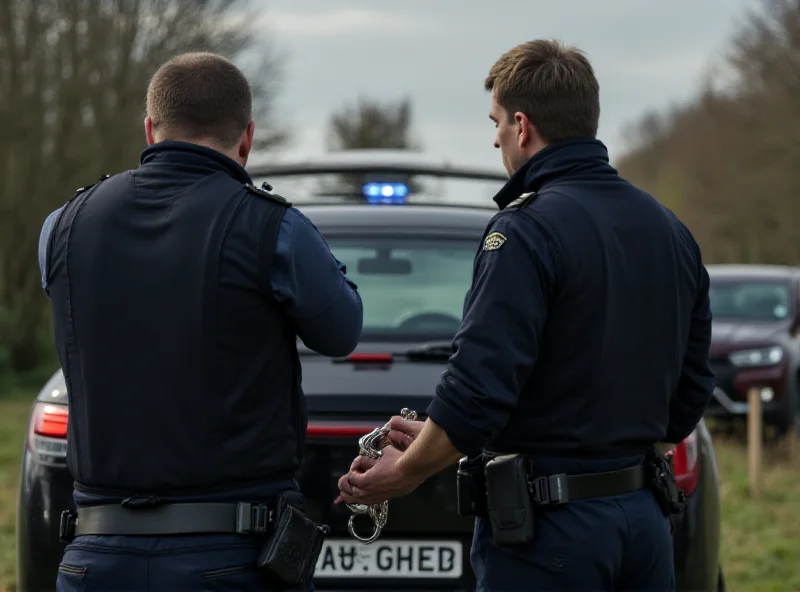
x,y
182,372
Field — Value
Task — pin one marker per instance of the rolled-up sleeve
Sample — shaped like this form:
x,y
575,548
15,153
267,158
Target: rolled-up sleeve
x,y
313,286
498,343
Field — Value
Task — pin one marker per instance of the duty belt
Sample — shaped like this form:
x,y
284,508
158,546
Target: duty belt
x,y
560,488
167,519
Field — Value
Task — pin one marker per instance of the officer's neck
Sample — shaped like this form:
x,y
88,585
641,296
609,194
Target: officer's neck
x,y
232,153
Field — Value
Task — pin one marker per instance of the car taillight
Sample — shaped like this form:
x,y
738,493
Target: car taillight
x,y
50,420
685,463
47,435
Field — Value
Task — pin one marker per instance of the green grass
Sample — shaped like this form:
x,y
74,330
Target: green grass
x,y
14,409
760,538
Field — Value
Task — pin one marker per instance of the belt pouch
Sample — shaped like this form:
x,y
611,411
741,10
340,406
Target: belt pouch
x,y
471,487
289,556
508,500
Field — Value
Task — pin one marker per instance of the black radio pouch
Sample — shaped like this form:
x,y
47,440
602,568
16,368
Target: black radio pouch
x,y
471,487
289,556
508,499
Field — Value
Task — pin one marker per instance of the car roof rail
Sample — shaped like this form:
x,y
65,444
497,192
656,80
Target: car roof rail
x,y
313,167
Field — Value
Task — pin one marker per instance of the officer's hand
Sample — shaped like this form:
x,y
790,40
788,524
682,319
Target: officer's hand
x,y
362,463
383,481
403,432
359,465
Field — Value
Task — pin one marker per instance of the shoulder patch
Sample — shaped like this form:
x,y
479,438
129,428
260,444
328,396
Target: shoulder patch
x,y
522,200
264,191
494,241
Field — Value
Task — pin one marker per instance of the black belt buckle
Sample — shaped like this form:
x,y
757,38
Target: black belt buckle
x,y
253,518
550,490
66,527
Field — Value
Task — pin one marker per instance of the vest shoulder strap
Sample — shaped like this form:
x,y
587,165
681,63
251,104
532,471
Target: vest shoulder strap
x,y
85,188
265,191
59,223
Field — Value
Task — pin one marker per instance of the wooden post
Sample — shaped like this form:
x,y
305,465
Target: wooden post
x,y
755,427
793,444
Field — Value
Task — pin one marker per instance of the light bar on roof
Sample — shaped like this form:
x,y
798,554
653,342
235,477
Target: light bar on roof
x,y
385,193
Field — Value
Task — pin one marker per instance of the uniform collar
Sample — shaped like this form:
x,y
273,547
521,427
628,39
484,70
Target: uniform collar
x,y
186,153
552,162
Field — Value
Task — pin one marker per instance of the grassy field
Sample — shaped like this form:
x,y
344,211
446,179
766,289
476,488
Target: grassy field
x,y
14,408
761,539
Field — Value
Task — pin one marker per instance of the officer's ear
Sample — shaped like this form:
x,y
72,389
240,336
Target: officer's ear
x,y
247,140
528,138
148,131
523,129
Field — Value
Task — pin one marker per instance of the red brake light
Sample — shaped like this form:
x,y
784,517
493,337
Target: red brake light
x,y
50,420
367,358
685,463
338,430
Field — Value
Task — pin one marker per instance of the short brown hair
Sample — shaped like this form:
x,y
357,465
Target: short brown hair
x,y
554,85
197,95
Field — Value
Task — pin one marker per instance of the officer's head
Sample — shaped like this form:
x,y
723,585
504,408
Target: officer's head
x,y
542,93
204,99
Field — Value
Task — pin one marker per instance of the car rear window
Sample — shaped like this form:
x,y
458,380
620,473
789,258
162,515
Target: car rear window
x,y
412,288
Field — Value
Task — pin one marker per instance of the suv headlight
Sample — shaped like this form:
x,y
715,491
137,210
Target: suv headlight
x,y
763,356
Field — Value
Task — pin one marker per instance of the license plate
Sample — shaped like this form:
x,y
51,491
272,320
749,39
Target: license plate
x,y
345,558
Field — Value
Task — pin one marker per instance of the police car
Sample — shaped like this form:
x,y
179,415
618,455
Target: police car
x,y
408,231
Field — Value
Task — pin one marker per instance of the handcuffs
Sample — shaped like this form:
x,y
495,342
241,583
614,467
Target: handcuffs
x,y
371,445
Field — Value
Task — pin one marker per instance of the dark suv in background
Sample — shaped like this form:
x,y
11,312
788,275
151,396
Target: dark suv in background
x,y
756,326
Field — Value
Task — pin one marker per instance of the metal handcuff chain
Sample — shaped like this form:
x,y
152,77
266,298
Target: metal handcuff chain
x,y
371,445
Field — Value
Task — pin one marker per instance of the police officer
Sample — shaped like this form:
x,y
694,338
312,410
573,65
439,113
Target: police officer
x,y
583,352
178,292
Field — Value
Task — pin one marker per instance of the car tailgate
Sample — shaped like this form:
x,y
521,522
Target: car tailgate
x,y
425,542
346,400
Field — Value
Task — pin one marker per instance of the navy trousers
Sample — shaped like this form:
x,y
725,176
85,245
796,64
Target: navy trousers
x,y
615,543
154,564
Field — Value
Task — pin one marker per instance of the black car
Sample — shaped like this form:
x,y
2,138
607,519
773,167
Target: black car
x,y
754,343
409,245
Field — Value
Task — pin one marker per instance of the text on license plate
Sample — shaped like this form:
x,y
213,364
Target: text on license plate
x,y
345,558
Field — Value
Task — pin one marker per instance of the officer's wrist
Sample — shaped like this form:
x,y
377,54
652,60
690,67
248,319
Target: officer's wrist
x,y
408,469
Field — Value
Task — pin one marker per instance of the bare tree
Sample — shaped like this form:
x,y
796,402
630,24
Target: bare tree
x,y
370,124
729,162
73,76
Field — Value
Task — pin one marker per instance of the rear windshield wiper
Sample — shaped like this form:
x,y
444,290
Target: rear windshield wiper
x,y
432,350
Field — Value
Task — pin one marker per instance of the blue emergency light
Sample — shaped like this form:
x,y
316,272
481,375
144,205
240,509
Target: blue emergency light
x,y
386,193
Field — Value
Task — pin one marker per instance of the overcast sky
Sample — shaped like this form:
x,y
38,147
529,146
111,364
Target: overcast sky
x,y
646,54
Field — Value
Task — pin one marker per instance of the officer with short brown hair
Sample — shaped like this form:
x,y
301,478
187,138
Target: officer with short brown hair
x,y
179,291
583,349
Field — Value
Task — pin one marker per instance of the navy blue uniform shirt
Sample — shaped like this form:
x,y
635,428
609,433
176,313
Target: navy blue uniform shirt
x,y
587,326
